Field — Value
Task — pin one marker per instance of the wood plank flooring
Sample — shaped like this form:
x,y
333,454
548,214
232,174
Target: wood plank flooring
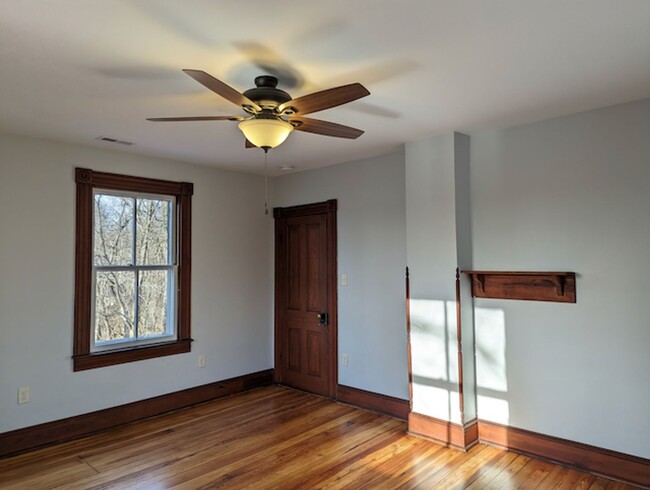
x,y
276,437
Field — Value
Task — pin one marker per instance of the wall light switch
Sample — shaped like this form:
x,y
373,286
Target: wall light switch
x,y
201,360
344,361
344,280
23,395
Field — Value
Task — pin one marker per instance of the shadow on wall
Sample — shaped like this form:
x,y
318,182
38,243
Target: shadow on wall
x,y
435,361
491,378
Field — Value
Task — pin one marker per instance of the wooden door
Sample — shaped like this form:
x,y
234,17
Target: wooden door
x,y
305,297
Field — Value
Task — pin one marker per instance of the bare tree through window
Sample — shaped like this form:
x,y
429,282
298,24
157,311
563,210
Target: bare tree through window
x,y
134,267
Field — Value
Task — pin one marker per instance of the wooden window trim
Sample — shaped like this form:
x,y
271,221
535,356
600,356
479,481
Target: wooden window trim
x,y
86,181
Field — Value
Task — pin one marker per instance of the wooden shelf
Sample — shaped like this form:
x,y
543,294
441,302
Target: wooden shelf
x,y
536,286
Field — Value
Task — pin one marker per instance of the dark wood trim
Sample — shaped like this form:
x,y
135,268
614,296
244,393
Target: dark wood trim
x,y
459,349
184,214
409,358
109,358
596,460
105,180
330,209
470,430
83,261
332,295
305,209
461,437
86,181
536,286
29,438
384,404
280,299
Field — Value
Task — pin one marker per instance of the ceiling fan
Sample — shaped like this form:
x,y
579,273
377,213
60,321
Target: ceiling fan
x,y
273,114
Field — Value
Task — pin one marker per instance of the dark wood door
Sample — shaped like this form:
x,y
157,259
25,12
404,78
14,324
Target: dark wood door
x,y
305,297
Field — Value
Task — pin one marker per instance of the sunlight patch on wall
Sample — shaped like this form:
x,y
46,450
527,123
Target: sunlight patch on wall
x,y
434,359
491,372
493,409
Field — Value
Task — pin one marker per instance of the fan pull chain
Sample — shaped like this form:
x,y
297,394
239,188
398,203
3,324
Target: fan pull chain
x,y
266,182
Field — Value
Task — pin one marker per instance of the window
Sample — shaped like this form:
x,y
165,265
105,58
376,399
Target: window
x,y
134,269
132,275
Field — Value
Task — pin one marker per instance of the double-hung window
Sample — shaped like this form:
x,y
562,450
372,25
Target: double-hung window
x,y
132,269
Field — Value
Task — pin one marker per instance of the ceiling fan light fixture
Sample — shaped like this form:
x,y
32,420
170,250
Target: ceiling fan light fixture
x,y
267,105
266,133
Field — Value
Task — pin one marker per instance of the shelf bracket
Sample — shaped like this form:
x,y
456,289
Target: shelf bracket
x,y
480,282
560,285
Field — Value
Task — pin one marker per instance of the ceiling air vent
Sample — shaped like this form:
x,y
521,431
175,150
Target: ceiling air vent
x,y
113,140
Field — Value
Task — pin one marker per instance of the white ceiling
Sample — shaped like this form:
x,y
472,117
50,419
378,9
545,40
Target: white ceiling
x,y
74,70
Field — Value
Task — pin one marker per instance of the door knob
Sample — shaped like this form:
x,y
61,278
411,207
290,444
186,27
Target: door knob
x,y
322,318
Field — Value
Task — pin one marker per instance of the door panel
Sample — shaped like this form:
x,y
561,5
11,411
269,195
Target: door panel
x,y
294,349
314,345
315,272
293,259
305,272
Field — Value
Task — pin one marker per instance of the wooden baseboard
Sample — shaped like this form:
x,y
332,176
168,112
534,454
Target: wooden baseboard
x,y
28,438
599,461
387,405
444,432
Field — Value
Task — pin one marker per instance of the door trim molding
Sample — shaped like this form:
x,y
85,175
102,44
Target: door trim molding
x,y
329,208
306,209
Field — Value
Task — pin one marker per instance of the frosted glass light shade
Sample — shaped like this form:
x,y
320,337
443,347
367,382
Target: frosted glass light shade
x,y
266,133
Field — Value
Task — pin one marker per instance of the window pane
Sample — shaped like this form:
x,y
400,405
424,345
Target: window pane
x,y
152,245
113,235
114,305
152,305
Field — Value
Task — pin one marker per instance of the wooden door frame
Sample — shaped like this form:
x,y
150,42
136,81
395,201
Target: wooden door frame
x,y
329,209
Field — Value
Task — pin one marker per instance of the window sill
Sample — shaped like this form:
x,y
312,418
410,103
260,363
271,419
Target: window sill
x,y
131,354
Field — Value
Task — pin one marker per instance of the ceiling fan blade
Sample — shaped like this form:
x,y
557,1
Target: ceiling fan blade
x,y
325,128
248,144
196,118
325,99
222,89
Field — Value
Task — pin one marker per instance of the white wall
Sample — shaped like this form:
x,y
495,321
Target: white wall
x,y
438,228
372,252
565,194
431,217
568,194
231,282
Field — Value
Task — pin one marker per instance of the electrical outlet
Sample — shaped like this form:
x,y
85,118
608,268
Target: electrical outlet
x,y
23,395
345,360
201,360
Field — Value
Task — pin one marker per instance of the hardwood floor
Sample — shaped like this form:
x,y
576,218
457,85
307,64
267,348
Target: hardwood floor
x,y
276,437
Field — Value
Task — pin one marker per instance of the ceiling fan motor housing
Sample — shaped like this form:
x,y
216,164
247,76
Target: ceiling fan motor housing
x,y
266,94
